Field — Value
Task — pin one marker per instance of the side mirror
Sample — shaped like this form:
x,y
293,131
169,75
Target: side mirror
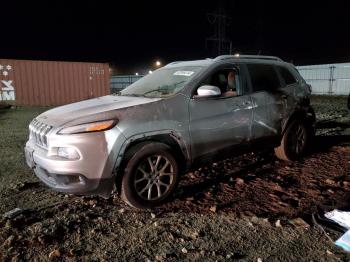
x,y
208,91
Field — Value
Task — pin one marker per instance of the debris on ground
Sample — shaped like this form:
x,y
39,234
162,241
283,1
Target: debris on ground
x,y
299,223
213,209
54,254
278,223
340,217
239,181
13,213
344,241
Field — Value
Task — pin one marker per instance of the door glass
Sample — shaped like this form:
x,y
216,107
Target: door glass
x,y
227,80
263,77
288,78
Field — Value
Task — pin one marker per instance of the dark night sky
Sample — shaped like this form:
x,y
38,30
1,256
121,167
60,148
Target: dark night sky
x,y
134,33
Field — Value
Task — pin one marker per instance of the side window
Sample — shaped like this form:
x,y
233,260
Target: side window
x,y
287,76
263,77
227,79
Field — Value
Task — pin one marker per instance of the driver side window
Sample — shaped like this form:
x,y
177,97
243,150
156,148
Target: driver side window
x,y
227,80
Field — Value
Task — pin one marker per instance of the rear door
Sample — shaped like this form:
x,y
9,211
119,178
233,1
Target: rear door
x,y
267,99
288,84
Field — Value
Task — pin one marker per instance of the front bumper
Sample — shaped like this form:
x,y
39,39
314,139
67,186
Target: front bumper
x,y
92,174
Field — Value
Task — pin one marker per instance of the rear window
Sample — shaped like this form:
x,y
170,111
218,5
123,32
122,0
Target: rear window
x,y
287,76
263,77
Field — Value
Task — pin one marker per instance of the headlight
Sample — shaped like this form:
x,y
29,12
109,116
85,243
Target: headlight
x,y
68,152
89,127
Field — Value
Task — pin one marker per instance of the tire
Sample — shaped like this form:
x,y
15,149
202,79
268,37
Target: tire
x,y
140,186
295,141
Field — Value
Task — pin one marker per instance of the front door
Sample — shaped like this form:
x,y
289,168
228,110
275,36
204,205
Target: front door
x,y
218,123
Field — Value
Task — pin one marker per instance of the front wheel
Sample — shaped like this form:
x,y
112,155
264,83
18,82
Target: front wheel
x,y
150,175
294,141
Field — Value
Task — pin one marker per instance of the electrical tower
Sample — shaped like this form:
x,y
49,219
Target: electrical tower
x,y
218,44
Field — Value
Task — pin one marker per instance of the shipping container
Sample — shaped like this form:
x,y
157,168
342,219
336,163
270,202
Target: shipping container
x,y
51,83
327,79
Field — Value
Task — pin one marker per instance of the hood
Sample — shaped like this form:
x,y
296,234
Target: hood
x,y
64,114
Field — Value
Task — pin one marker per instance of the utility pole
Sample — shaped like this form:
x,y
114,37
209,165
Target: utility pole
x,y
260,28
219,43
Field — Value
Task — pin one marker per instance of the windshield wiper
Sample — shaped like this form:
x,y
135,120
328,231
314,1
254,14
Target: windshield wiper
x,y
159,89
134,95
162,89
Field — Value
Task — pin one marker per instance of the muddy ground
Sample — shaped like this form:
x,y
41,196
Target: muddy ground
x,y
238,209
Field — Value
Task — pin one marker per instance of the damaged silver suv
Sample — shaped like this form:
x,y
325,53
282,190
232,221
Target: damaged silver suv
x,y
142,140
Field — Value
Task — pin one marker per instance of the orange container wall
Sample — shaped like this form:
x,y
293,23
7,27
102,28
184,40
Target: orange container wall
x,y
51,83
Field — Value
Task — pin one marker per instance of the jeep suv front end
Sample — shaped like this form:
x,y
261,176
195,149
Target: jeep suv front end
x,y
74,159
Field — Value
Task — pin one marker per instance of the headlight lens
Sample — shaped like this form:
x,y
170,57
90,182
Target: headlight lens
x,y
68,152
89,127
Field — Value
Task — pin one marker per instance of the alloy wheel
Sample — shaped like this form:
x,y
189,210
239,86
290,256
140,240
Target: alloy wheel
x,y
298,140
154,177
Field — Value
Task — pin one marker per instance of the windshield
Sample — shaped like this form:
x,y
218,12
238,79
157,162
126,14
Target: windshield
x,y
162,83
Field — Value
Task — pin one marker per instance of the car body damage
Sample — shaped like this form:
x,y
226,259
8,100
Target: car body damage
x,y
80,148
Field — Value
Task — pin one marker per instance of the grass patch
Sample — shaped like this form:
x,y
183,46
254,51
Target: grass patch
x,y
13,136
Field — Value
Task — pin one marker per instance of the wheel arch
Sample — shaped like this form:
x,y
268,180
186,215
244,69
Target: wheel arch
x,y
304,114
169,138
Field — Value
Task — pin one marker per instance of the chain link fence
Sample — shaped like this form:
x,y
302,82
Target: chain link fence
x,y
328,79
118,83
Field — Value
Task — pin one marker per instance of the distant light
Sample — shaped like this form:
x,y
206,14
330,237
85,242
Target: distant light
x,y
150,72
236,55
158,63
136,74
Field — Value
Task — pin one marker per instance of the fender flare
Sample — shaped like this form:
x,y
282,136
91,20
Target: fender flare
x,y
154,136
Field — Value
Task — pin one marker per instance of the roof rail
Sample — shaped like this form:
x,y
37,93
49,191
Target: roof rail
x,y
175,62
262,57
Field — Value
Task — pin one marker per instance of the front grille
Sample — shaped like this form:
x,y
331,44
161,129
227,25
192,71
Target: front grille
x,y
38,132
